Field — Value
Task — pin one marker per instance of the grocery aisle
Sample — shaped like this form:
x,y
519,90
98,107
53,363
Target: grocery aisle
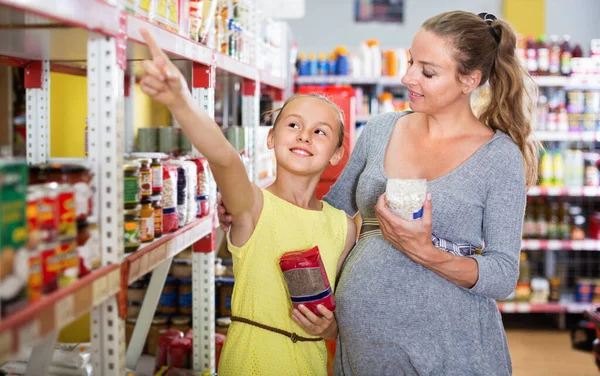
x,y
547,353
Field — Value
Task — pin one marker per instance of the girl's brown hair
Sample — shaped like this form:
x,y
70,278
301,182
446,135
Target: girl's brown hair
x,y
317,96
490,47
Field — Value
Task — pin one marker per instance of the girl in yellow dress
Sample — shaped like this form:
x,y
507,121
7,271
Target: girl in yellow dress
x,y
268,336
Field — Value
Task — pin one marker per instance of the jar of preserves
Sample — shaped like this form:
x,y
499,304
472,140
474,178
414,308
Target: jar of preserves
x,y
132,230
157,176
79,178
147,221
158,323
131,191
158,215
185,296
181,323
167,304
145,178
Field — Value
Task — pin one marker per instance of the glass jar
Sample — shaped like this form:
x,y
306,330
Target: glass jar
x,y
147,221
185,297
167,304
129,326
145,178
79,178
158,323
83,248
132,230
157,176
131,191
158,215
181,323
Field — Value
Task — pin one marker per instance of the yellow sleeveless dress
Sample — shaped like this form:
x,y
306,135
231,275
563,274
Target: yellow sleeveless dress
x,y
260,293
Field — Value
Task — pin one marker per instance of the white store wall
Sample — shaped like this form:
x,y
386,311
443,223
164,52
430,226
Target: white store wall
x,y
329,23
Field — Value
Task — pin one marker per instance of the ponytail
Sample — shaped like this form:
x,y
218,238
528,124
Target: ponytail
x,y
487,44
511,100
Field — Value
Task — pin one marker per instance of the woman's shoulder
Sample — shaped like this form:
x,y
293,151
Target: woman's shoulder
x,y
504,148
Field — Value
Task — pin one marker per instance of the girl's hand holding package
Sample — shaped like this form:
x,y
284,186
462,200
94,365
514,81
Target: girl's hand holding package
x,y
162,81
324,326
412,237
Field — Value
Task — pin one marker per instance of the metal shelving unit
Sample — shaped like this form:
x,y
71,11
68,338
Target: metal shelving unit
x,y
98,39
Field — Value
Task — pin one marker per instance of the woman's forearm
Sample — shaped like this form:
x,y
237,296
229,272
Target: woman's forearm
x,y
460,270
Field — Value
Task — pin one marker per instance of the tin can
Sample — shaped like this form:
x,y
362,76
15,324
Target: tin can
x,y
584,290
147,140
165,140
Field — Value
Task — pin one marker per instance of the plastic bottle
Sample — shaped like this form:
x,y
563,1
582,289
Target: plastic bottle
x,y
332,64
558,167
577,50
532,61
313,64
355,65
402,61
366,57
342,61
546,170
322,65
376,56
563,118
554,57
529,222
385,103
303,65
392,63
565,56
543,53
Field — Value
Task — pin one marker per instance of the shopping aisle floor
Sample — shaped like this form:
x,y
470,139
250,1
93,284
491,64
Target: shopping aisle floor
x,y
548,353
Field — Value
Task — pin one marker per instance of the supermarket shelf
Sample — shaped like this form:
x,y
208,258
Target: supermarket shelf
x,y
272,81
564,192
32,324
224,280
69,12
149,256
49,42
566,136
513,307
171,42
551,81
562,245
348,80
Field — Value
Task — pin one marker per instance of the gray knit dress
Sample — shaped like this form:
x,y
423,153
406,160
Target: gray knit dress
x,y
397,317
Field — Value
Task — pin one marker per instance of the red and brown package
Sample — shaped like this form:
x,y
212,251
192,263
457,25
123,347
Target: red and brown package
x,y
307,280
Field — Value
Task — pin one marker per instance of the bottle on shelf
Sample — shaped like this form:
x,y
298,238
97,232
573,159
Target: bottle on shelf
x,y
546,168
558,169
386,104
541,219
529,224
523,290
313,64
343,68
554,56
322,65
532,58
577,51
333,64
553,221
376,56
303,65
366,57
565,56
564,221
543,56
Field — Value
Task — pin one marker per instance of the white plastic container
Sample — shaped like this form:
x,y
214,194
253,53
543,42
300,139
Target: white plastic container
x,y
405,197
376,58
366,57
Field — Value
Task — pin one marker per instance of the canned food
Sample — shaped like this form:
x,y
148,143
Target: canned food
x,y
584,291
165,140
131,189
147,140
576,102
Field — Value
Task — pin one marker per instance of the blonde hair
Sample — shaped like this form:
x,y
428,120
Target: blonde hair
x,y
491,49
339,113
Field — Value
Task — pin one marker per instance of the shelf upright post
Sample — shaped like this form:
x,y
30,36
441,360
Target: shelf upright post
x,y
251,121
37,87
203,257
105,72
